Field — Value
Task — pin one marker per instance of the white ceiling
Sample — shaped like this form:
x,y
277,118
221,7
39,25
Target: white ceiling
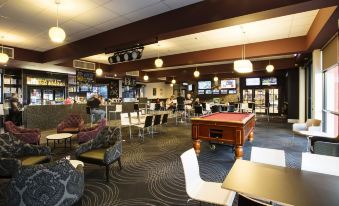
x,y
265,30
25,23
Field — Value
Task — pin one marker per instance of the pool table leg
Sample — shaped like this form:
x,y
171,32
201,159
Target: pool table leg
x,y
196,146
239,152
251,136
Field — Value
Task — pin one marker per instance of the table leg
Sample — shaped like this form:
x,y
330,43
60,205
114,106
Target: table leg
x,y
239,152
251,136
196,146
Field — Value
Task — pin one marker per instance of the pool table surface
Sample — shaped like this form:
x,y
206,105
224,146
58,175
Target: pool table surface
x,y
223,127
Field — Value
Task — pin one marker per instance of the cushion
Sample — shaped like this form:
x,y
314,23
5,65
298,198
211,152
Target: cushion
x,y
96,154
70,130
32,160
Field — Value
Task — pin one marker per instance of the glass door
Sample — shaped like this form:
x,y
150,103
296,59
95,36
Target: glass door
x,y
273,101
259,97
247,95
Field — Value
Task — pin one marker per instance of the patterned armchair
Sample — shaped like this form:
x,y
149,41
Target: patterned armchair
x,y
103,150
31,136
87,134
55,183
72,124
15,153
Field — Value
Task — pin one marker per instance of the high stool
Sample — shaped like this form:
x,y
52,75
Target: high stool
x,y
92,116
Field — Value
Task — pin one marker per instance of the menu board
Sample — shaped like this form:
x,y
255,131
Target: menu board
x,y
228,84
85,81
45,81
269,81
129,81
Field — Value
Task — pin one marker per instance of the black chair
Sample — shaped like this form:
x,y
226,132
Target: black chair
x,y
157,121
198,110
230,108
315,139
326,148
164,119
181,111
91,116
215,108
136,107
223,108
247,201
203,106
157,107
147,125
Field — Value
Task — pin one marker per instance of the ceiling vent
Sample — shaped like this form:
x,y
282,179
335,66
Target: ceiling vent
x,y
9,51
133,73
162,78
84,65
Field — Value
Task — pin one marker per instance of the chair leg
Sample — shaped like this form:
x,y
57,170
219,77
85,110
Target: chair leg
x,y
119,161
107,173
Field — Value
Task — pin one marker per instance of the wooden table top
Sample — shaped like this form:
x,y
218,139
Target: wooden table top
x,y
282,185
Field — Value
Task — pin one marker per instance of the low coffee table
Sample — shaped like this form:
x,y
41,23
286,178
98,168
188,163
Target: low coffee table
x,y
60,136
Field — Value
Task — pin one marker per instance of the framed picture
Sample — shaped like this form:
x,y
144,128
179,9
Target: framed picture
x,y
154,91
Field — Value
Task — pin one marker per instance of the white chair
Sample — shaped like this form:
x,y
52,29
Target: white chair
x,y
268,156
152,106
198,189
118,109
125,120
320,163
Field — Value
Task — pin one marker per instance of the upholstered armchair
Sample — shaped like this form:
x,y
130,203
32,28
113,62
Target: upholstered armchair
x,y
55,183
72,124
309,125
87,134
14,153
103,150
31,136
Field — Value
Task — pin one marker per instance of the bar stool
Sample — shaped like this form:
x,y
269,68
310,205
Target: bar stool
x,y
92,116
118,108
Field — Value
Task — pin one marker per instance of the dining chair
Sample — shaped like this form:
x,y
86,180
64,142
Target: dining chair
x,y
148,124
118,109
268,156
200,190
327,148
320,163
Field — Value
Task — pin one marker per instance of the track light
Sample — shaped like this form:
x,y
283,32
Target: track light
x,y
126,55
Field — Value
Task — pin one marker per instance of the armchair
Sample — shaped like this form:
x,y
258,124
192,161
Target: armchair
x,y
87,134
72,124
55,183
15,153
103,150
31,136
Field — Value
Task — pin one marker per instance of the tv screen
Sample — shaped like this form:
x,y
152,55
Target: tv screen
x,y
201,91
252,81
190,87
232,91
184,84
223,91
208,91
204,84
269,81
215,91
228,84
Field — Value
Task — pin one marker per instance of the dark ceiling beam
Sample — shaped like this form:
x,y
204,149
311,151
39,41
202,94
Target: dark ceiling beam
x,y
166,25
324,26
254,50
26,55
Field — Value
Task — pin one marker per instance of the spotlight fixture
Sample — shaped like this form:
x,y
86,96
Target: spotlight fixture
x,y
158,62
196,73
57,34
130,54
215,78
269,67
146,77
173,81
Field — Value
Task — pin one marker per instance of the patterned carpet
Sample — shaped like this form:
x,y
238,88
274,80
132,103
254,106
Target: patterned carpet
x,y
152,172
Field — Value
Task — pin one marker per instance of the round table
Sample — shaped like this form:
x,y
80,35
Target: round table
x,y
75,163
60,136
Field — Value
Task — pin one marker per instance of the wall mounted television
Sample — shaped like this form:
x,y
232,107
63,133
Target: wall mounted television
x,y
252,81
216,91
232,91
228,84
223,91
190,87
208,91
269,81
204,84
201,91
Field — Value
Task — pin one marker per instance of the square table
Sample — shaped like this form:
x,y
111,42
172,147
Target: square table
x,y
282,185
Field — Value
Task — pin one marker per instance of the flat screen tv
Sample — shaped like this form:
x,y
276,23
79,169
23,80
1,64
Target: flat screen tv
x,y
232,91
269,81
201,91
223,91
216,91
208,91
190,87
228,84
252,81
204,84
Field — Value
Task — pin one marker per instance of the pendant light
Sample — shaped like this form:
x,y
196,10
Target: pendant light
x,y
158,62
243,65
146,77
196,73
171,85
173,81
269,67
215,78
57,34
3,56
98,71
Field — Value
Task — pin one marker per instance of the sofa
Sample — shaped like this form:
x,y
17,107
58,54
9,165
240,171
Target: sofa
x,y
71,124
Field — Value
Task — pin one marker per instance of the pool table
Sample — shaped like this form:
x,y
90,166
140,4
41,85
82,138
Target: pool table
x,y
225,128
